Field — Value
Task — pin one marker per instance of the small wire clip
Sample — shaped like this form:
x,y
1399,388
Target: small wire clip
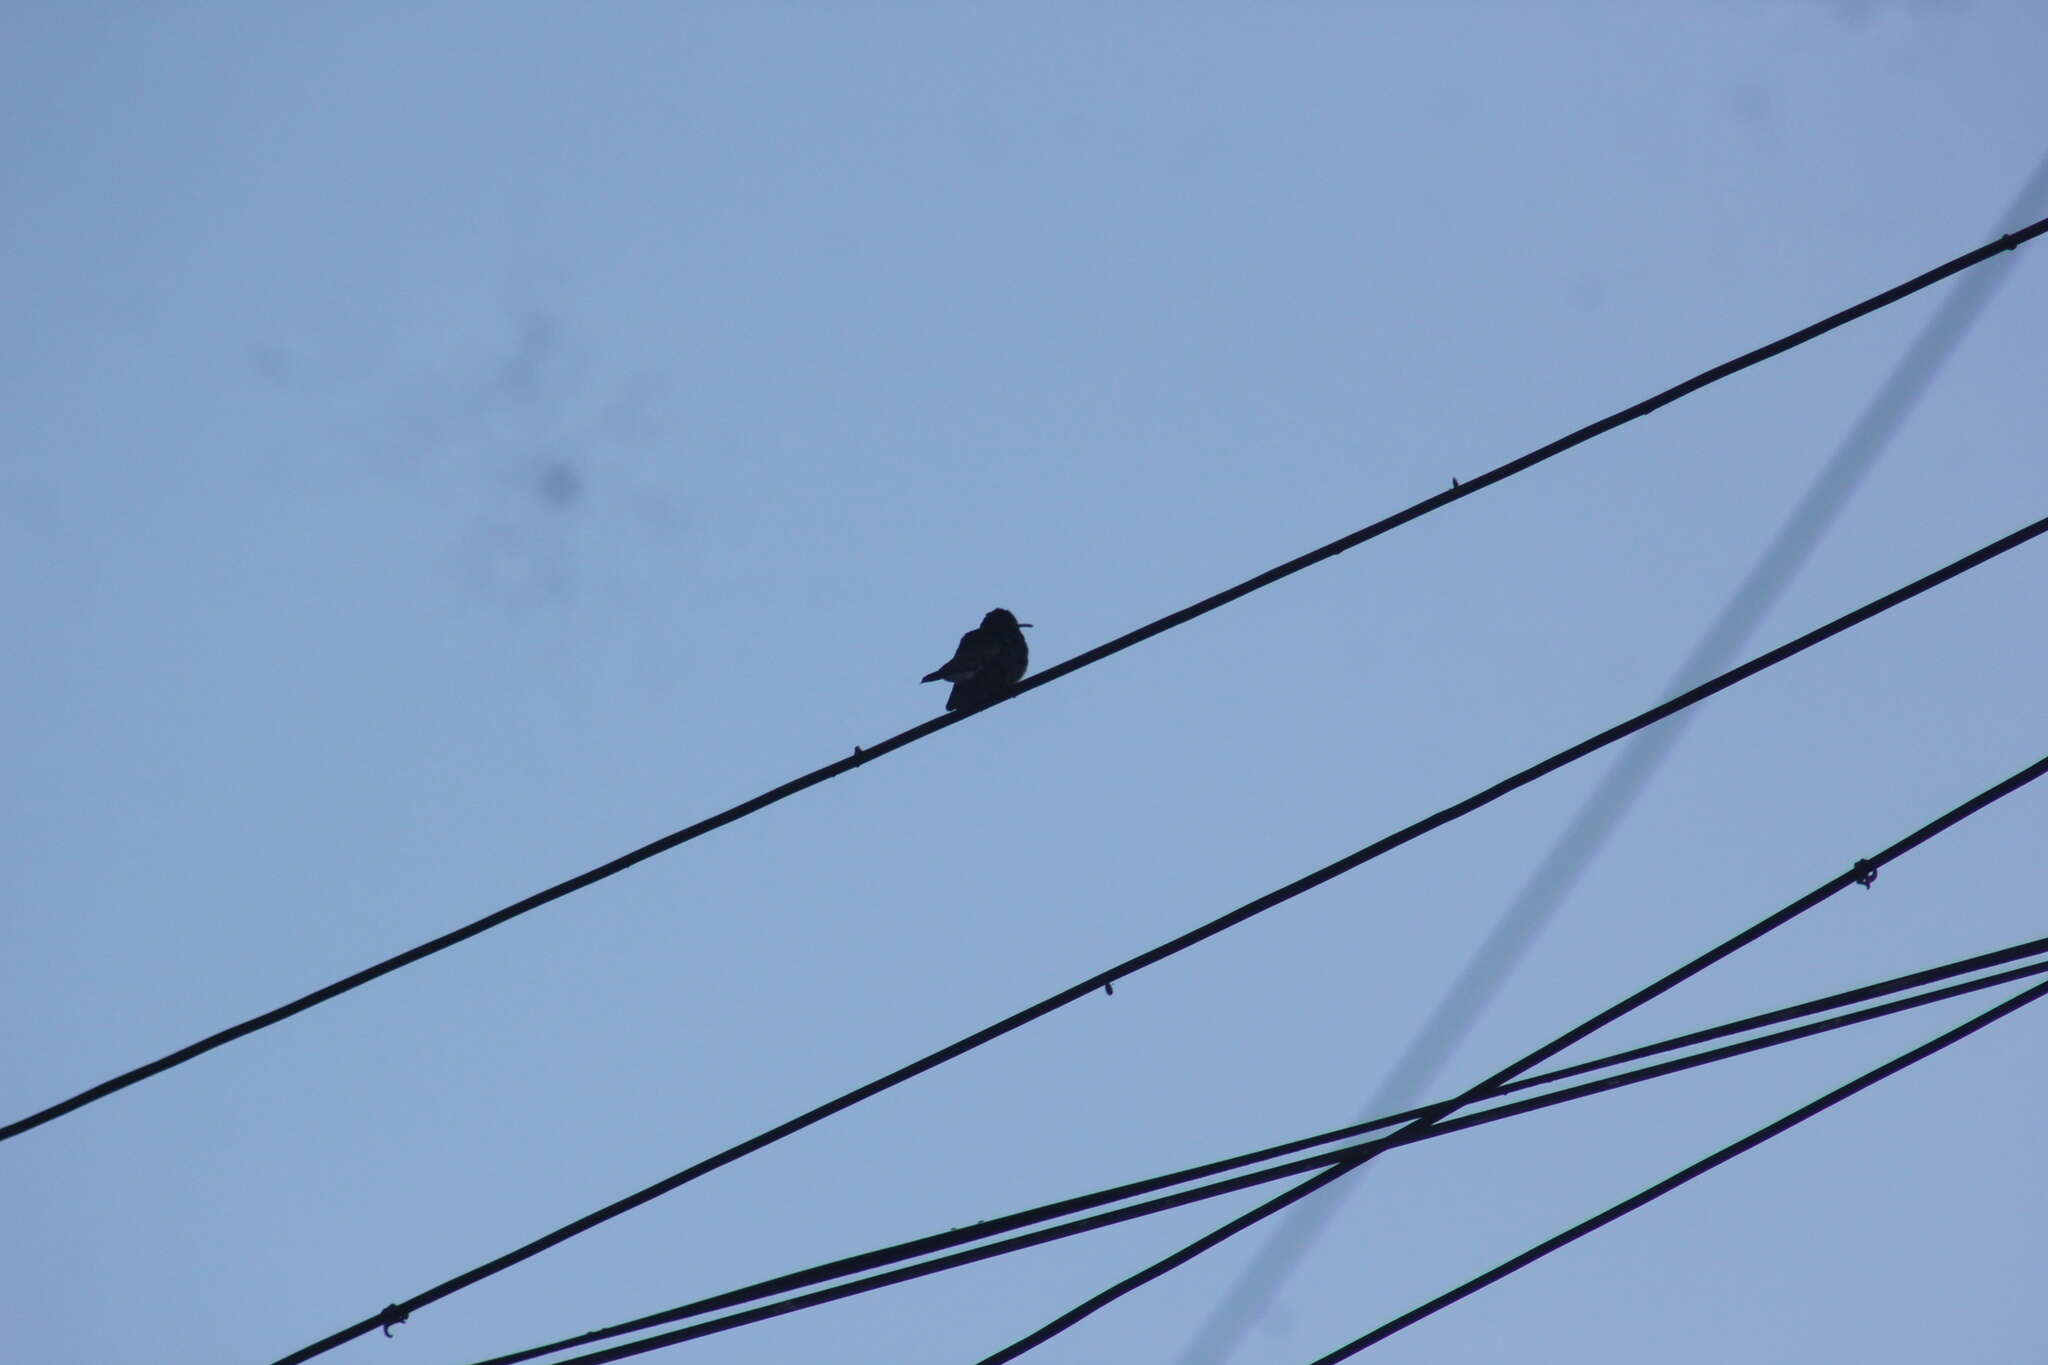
x,y
1109,988
1865,872
391,1317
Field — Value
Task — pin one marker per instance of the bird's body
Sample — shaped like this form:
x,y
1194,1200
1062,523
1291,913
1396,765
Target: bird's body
x,y
990,660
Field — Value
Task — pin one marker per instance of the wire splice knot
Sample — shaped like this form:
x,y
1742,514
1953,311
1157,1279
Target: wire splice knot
x,y
1865,872
391,1317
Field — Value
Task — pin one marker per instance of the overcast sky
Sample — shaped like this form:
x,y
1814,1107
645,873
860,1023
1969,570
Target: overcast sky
x,y
449,445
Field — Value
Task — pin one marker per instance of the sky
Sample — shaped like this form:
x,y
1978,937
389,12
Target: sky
x,y
449,447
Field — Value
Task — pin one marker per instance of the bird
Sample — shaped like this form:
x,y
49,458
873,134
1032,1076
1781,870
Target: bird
x,y
988,663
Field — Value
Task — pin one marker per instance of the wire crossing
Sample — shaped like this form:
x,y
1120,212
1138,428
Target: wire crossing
x,y
1153,956
1862,873
1160,1205
1550,879
1191,1192
1064,1230
1692,1172
1457,491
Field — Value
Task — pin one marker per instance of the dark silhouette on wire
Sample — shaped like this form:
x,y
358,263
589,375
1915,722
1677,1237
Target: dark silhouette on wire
x,y
988,663
1609,803
862,755
1862,873
1897,988
1081,990
1698,1168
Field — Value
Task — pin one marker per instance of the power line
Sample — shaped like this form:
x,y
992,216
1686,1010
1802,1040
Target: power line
x,y
1896,987
901,1253
1698,1168
1182,1198
400,1311
1610,800
1864,872
256,1023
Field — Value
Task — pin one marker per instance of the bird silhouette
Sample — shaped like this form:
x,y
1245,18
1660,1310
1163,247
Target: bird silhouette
x,y
990,660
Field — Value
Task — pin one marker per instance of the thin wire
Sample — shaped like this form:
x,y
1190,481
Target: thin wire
x,y
924,1246
1897,987
1698,1168
255,1023
1618,789
1863,873
1060,1231
398,1312
1180,1181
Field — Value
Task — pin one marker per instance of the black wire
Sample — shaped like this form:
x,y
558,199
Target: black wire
x,y
1343,1159
1883,988
1862,873
1698,1168
1165,623
1415,1070
991,1228
1152,956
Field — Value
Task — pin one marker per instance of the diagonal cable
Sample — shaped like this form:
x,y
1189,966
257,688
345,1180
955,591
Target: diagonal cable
x,y
256,1023
903,1273
899,1263
1618,789
1692,1172
1863,873
397,1312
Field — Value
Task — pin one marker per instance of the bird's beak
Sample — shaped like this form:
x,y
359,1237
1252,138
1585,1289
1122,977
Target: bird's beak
x,y
1024,625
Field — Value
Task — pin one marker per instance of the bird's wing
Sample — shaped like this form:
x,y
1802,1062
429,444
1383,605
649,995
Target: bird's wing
x,y
968,658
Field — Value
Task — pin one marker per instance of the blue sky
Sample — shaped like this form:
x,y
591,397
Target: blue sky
x,y
450,447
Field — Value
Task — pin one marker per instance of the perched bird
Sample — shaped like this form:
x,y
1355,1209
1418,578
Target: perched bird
x,y
990,660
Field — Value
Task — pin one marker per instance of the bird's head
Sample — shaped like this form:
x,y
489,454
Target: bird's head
x,y
1003,620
